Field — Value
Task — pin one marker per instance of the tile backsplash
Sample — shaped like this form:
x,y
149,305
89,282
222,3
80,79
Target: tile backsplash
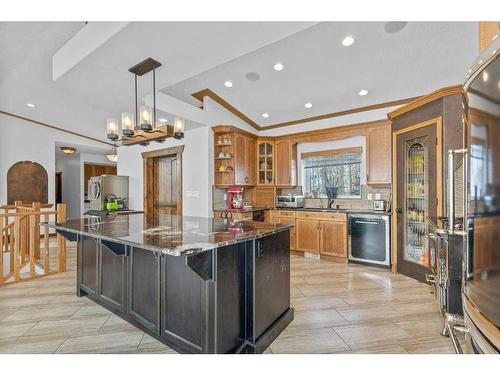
x,y
360,203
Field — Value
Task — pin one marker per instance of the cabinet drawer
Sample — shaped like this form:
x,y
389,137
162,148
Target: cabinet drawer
x,y
322,216
282,213
242,215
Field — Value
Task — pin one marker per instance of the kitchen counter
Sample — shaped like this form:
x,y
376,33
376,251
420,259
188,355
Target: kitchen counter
x,y
169,234
347,210
253,209
198,285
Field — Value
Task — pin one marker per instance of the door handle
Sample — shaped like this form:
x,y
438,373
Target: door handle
x,y
399,210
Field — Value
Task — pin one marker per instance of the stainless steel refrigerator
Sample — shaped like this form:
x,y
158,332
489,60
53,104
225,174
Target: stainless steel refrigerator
x,y
474,193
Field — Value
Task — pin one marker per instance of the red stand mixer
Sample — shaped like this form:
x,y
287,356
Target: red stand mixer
x,y
235,198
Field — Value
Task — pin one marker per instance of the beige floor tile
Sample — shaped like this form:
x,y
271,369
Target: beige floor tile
x,y
115,342
116,324
13,330
48,313
439,345
317,303
152,346
320,289
311,319
66,328
30,346
368,313
365,297
372,335
312,341
91,310
391,349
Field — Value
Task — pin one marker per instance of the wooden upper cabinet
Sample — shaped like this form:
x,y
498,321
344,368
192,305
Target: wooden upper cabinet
x,y
286,163
91,170
333,238
378,155
234,157
250,168
240,156
307,235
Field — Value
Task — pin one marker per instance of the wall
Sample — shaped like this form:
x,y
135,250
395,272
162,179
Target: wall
x,y
197,175
22,140
70,168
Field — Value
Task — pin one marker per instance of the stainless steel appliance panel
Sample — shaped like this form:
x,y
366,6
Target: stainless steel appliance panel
x,y
369,239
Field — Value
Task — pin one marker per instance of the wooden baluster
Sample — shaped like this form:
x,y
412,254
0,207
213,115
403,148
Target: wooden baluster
x,y
1,251
17,246
36,209
12,242
32,222
61,241
46,245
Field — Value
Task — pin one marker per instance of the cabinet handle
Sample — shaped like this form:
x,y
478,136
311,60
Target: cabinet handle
x,y
246,179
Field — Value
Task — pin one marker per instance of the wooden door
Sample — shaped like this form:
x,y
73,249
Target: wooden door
x,y
240,155
307,235
291,221
58,187
250,170
283,163
417,197
378,155
333,238
166,185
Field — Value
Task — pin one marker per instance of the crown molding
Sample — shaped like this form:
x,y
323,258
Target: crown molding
x,y
423,100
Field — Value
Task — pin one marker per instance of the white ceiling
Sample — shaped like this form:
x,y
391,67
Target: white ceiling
x,y
420,58
197,55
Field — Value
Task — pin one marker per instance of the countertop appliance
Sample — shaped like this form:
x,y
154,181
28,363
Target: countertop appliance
x,y
101,187
369,239
235,198
290,201
379,205
475,169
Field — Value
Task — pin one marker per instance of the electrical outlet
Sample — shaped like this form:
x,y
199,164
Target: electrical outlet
x,y
225,197
377,196
369,196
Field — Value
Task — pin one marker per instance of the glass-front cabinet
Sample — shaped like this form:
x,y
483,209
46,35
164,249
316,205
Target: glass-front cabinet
x,y
416,203
265,163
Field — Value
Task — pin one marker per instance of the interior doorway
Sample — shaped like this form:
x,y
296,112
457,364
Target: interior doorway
x,y
58,185
163,181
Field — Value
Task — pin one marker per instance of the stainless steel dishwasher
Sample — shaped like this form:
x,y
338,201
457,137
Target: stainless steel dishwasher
x,y
369,239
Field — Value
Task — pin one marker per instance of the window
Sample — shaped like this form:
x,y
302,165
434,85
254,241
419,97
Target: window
x,y
335,168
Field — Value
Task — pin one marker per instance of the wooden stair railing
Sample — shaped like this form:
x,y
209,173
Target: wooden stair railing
x,y
20,239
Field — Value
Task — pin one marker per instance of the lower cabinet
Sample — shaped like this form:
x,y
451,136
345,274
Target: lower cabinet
x,y
333,238
291,221
112,271
308,235
143,284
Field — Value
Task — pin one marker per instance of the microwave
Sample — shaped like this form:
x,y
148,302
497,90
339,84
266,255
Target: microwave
x,y
290,201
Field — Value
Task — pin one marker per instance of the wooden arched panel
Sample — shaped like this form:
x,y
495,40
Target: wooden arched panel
x,y
27,182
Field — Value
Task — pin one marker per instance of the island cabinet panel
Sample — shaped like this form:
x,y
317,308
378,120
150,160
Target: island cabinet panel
x,y
88,255
230,297
182,302
143,288
112,271
271,278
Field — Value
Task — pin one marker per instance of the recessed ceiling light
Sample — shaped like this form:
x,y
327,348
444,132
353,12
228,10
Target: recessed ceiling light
x,y
228,84
265,115
486,76
31,105
348,41
308,105
278,67
363,92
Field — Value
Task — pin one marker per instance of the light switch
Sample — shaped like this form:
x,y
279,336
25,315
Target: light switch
x,y
225,197
369,196
377,196
195,194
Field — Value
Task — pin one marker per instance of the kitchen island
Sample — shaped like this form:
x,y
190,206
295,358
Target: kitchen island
x,y
198,285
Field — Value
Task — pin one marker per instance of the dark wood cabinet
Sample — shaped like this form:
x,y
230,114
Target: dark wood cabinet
x,y
112,274
88,261
91,170
143,284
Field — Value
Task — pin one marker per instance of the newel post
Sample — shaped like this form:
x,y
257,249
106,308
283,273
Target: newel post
x,y
61,241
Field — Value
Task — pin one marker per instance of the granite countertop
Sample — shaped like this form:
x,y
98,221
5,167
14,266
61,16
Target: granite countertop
x,y
222,209
344,210
169,234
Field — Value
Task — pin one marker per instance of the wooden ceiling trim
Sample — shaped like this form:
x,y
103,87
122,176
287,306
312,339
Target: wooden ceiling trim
x,y
207,92
54,127
423,100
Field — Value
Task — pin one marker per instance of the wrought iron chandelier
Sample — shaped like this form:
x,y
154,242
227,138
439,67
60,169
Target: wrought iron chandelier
x,y
147,128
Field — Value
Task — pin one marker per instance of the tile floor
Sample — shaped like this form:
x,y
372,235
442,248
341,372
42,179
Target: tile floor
x,y
338,309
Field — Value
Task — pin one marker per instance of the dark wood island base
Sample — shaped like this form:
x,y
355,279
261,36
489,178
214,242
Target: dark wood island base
x,y
229,299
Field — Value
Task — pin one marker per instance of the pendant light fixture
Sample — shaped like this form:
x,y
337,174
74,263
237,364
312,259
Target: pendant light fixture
x,y
113,156
143,127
